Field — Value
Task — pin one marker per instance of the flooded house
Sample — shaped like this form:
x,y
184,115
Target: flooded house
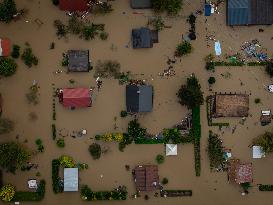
x,y
78,60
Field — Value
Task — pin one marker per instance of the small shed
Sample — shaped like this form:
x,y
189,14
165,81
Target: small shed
x,y
142,38
146,178
141,4
5,45
257,152
139,98
76,97
73,5
78,60
71,179
171,149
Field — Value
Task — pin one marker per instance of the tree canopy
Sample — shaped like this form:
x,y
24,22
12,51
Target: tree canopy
x,y
6,126
191,94
170,6
7,67
12,156
7,10
265,141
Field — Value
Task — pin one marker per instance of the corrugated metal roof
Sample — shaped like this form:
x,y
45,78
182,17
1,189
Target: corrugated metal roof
x,y
4,47
142,38
71,179
141,4
78,60
238,12
76,97
73,5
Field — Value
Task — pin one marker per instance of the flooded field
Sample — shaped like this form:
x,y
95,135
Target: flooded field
x,y
209,188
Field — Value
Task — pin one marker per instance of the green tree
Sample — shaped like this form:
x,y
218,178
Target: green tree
x,y
12,156
7,10
7,67
265,141
211,80
183,48
170,6
215,151
191,94
29,58
95,150
7,192
160,159
6,126
15,51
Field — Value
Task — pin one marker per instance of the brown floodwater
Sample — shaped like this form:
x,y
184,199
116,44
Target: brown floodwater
x,y
210,188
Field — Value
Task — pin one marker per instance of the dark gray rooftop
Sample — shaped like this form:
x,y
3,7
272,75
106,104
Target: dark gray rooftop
x,y
139,98
142,38
78,60
141,4
249,12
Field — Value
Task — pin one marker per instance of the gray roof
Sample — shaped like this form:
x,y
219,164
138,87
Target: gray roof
x,y
139,98
249,12
238,12
142,38
71,179
141,4
78,60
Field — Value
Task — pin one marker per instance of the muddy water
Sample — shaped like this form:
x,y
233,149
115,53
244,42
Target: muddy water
x,y
210,188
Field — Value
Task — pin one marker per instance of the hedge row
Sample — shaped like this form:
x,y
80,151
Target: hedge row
x,y
31,196
257,63
175,193
223,63
196,127
56,180
117,194
263,187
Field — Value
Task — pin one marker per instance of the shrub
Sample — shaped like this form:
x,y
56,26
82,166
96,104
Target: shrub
x,y
102,8
172,135
183,49
61,143
135,131
269,69
6,126
245,186
7,192
40,145
65,61
160,159
55,2
196,131
74,25
257,100
56,180
95,150
157,23
12,156
210,66
7,10
89,31
29,58
31,196
211,80
171,6
123,113
107,69
15,51
33,95
103,35
215,151
7,67
66,161
191,94
263,187
53,128
165,181
265,141
61,28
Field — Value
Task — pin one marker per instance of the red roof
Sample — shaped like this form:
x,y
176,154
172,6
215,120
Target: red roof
x,y
73,5
77,97
5,47
244,173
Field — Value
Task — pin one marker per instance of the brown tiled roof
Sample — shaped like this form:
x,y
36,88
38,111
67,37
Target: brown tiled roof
x,y
238,172
231,105
146,178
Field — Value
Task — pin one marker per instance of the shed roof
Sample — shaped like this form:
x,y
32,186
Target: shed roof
x,y
78,60
141,4
257,152
171,149
5,47
73,5
139,98
142,38
71,179
146,178
231,105
76,97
